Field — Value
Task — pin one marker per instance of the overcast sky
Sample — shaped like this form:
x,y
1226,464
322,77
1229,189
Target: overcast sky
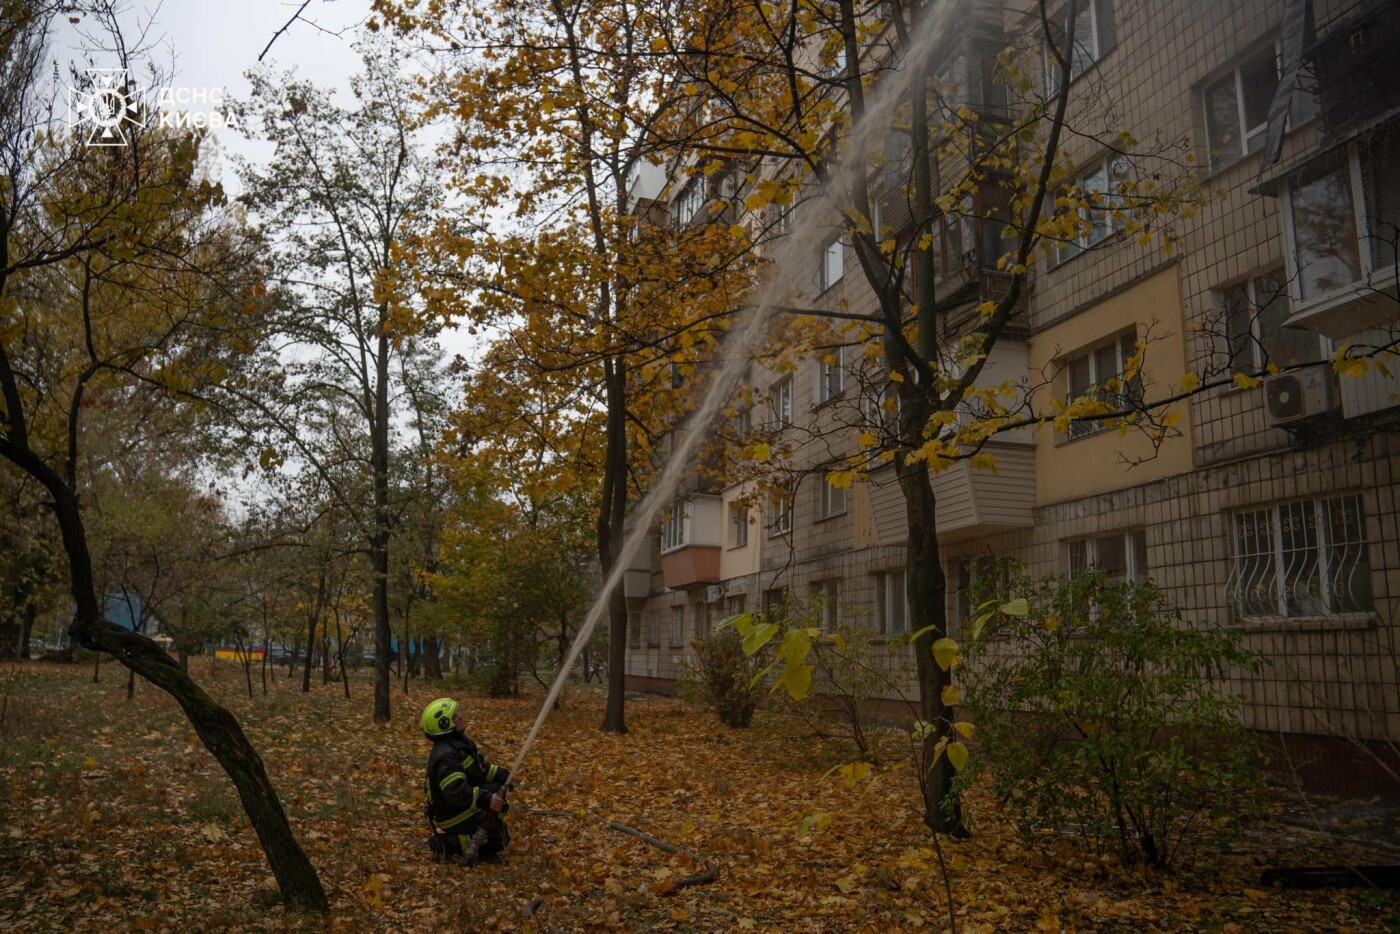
x,y
213,42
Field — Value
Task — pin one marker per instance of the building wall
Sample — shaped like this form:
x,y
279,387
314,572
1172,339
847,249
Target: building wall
x,y
1332,676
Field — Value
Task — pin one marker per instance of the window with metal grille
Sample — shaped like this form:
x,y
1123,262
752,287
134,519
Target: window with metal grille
x,y
1300,559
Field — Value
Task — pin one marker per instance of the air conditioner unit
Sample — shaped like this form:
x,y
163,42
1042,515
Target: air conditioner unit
x,y
714,593
1299,395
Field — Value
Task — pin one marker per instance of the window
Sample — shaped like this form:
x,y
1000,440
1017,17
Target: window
x,y
882,408
743,423
1093,37
653,629
833,499
677,626
780,514
634,630
781,401
676,531
891,603
833,264
1300,559
978,578
1237,106
734,605
738,525
1122,555
1255,337
1341,214
704,625
1100,207
779,219
774,603
831,375
692,201
829,595
1088,372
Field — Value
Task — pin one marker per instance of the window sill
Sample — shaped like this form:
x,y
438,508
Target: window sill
x,y
1347,621
740,547
834,515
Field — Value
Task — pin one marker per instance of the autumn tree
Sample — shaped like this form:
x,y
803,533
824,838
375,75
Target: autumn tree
x,y
345,188
919,138
549,104
120,273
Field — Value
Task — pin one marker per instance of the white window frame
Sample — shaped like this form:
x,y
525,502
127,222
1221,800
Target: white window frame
x,y
1082,553
743,423
1100,181
831,377
677,626
833,263
1255,355
781,402
738,525
832,500
891,592
676,531
692,200
779,514
1273,586
653,629
1083,429
830,592
1052,70
1219,155
1370,275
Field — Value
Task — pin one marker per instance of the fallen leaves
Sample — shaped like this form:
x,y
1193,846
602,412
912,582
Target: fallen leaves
x,y
796,851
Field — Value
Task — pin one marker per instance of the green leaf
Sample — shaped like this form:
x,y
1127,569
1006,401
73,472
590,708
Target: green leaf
x,y
964,728
957,754
796,645
945,651
814,822
913,637
759,636
797,680
1018,607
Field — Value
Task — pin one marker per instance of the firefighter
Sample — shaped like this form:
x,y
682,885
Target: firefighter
x,y
466,794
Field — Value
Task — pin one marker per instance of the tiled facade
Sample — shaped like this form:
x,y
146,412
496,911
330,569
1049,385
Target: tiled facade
x,y
1334,673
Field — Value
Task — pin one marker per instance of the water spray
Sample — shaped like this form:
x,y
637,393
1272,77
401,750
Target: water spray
x,y
797,246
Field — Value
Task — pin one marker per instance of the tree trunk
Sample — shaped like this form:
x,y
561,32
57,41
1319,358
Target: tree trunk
x,y
216,727
432,659
379,540
26,629
611,518
927,586
340,655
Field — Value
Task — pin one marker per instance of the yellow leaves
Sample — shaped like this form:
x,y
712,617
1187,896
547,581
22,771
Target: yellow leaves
x,y
1190,382
841,479
945,653
1245,381
762,451
964,728
1347,365
951,695
854,772
958,755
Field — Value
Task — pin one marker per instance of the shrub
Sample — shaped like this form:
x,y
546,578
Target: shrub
x,y
723,677
1103,716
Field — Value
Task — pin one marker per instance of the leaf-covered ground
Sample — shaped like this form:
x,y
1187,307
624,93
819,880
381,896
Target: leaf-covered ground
x,y
114,818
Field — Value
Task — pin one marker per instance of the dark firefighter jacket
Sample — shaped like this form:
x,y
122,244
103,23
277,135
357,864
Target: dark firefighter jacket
x,y
461,782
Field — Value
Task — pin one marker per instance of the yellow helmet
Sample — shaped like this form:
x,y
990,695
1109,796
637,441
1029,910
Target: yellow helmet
x,y
437,717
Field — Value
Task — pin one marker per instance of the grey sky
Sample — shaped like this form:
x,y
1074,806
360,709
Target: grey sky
x,y
212,44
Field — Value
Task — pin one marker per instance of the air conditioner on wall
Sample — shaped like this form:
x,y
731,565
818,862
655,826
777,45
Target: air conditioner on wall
x,y
1300,394
714,593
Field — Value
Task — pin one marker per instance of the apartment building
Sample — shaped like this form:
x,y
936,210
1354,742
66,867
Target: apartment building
x,y
1273,509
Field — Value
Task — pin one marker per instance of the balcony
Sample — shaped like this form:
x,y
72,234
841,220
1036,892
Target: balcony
x,y
691,543
974,502
690,566
1351,63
